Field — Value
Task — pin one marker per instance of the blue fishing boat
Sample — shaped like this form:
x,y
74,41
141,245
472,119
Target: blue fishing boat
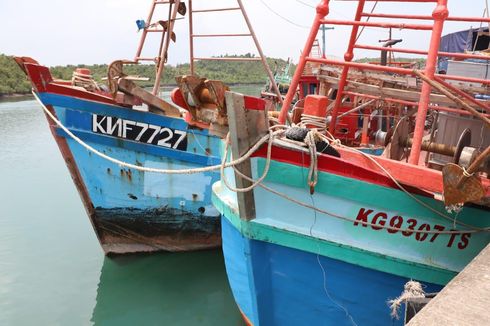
x,y
133,210
318,233
122,145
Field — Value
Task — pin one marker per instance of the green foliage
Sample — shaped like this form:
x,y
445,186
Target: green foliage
x,y
12,78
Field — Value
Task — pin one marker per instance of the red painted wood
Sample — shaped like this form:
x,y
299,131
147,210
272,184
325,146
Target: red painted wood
x,y
43,82
352,164
334,165
254,103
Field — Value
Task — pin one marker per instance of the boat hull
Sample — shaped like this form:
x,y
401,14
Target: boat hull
x,y
278,285
293,265
133,210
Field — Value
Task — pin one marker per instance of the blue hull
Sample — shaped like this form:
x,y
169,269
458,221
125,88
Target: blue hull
x,y
276,285
130,210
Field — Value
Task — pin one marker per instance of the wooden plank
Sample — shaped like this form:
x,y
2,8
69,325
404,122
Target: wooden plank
x,y
407,95
240,139
146,97
246,128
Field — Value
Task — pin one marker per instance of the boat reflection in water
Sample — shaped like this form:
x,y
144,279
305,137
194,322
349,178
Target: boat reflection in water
x,y
165,289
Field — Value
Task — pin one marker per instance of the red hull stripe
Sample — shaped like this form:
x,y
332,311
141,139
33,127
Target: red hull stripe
x,y
43,81
334,165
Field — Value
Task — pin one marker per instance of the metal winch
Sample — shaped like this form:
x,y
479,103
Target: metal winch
x,y
400,144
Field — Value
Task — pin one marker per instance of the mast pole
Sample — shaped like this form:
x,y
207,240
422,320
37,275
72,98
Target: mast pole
x,y
262,57
164,52
143,36
439,15
348,56
191,38
321,11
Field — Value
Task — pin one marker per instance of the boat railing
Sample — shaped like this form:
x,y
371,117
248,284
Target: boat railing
x,y
435,25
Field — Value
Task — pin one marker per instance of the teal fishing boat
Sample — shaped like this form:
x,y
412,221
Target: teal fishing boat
x,y
317,232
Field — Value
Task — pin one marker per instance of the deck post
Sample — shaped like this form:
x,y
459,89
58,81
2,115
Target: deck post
x,y
246,128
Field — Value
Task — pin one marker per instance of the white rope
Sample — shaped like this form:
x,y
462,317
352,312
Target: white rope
x,y
254,184
466,174
310,141
147,169
312,121
85,81
412,290
267,138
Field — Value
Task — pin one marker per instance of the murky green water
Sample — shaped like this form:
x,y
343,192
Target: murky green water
x,y
52,270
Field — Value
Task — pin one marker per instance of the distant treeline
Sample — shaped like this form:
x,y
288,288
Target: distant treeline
x,y
13,80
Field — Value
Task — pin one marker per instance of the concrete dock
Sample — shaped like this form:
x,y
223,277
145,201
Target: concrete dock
x,y
464,301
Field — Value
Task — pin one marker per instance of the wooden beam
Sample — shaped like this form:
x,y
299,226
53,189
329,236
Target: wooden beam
x,y
406,95
128,87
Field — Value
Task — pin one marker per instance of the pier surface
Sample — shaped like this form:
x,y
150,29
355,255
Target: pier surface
x,y
464,301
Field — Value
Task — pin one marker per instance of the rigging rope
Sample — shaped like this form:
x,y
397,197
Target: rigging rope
x,y
311,138
351,220
282,17
242,159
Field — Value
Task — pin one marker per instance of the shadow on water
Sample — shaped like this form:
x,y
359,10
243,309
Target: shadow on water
x,y
165,289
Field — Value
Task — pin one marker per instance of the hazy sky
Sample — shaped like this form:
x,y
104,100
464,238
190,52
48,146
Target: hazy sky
x,y
99,31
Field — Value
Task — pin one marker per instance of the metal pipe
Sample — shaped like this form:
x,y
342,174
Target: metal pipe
x,y
410,103
321,11
348,56
480,104
422,17
429,146
357,108
377,24
143,36
191,38
439,14
454,98
396,70
440,54
161,66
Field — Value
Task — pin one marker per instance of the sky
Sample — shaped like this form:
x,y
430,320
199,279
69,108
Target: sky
x,y
60,32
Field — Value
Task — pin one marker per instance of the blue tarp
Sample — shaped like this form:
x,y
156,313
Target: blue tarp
x,y
461,41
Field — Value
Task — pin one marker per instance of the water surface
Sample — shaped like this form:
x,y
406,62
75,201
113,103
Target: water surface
x,y
52,269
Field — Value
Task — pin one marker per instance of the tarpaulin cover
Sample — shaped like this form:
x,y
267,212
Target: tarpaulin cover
x,y
461,41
